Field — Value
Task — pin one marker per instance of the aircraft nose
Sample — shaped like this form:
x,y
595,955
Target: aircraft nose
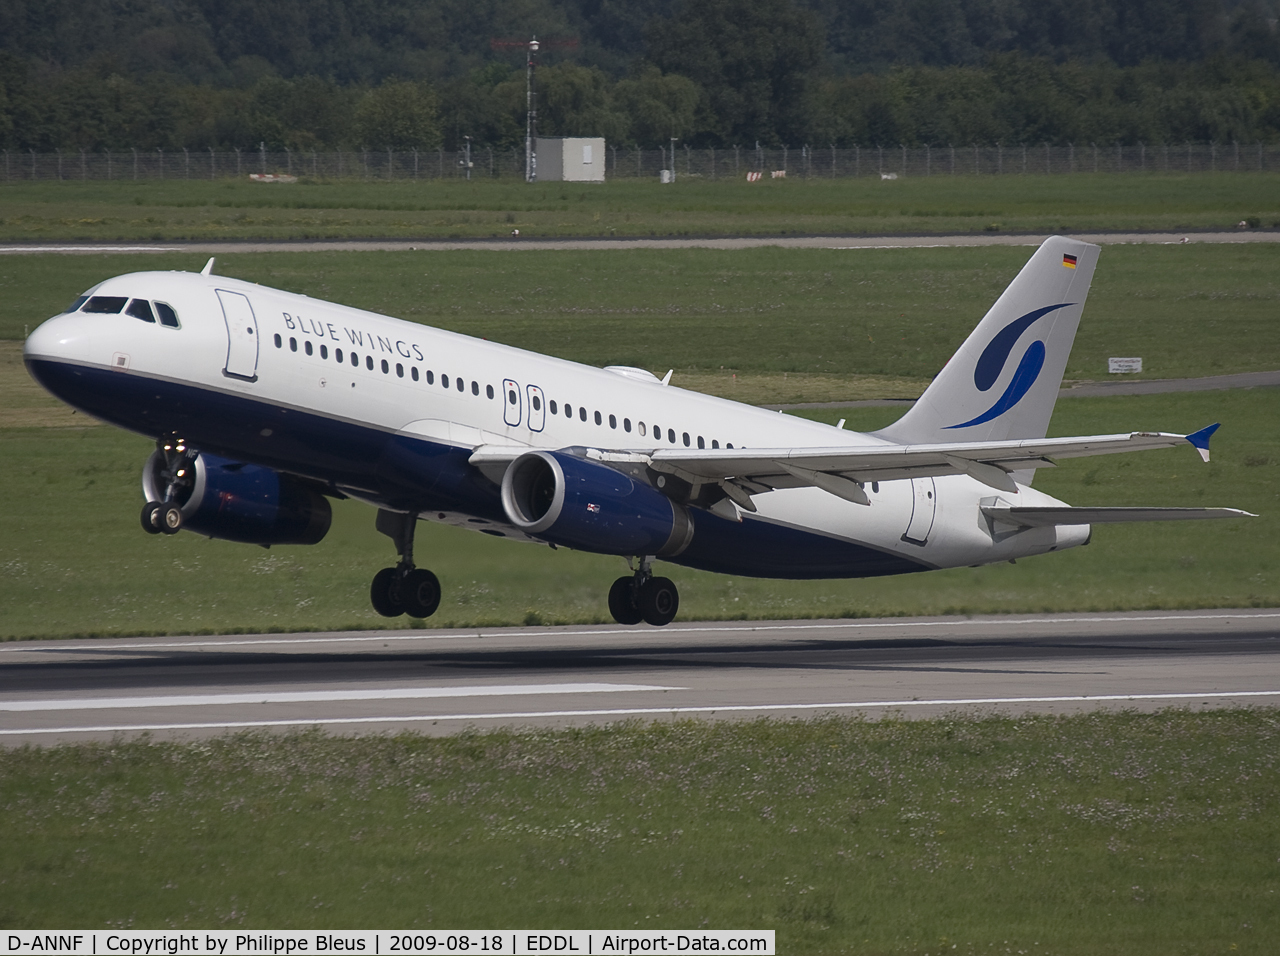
x,y
54,338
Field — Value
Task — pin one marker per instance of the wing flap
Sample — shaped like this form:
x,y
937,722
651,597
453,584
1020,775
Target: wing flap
x,y
1048,517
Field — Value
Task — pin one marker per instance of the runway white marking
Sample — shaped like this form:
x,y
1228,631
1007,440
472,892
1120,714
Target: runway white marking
x,y
645,711
293,697
113,645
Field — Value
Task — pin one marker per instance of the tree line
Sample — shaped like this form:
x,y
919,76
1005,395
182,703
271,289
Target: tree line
x,y
382,74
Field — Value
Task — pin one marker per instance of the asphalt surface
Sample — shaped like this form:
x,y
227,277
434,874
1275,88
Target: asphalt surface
x,y
1152,386
707,242
440,682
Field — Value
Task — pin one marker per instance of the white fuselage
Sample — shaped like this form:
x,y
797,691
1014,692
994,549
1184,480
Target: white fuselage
x,y
318,390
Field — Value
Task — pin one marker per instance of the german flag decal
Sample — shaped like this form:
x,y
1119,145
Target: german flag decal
x,y
1068,262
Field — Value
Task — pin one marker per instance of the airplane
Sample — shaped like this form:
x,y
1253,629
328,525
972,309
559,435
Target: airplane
x,y
266,404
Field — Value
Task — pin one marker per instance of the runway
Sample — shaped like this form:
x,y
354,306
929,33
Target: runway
x,y
256,247
441,682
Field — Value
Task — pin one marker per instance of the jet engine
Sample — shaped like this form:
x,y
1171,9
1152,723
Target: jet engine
x,y
239,502
585,505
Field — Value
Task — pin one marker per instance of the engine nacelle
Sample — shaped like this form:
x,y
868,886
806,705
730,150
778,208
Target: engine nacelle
x,y
589,506
247,503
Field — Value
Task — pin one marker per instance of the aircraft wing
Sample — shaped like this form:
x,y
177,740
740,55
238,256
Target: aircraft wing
x,y
840,470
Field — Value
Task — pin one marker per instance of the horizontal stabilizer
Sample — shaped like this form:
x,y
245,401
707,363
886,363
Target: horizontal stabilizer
x,y
1047,517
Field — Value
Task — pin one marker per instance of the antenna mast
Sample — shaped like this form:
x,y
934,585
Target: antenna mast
x,y
531,116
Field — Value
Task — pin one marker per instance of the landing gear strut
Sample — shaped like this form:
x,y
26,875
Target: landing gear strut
x,y
178,475
404,589
642,597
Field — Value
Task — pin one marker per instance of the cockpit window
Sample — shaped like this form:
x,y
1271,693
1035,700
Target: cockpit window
x,y
167,315
106,304
75,306
141,309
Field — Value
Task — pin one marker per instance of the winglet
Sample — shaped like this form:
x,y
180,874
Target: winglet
x,y
208,267
1201,438
666,379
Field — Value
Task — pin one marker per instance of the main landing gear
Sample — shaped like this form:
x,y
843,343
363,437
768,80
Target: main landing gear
x,y
404,589
178,473
642,597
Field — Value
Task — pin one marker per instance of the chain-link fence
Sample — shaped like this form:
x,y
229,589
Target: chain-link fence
x,y
806,162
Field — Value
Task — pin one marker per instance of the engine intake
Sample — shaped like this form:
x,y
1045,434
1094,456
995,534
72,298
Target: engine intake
x,y
585,505
247,503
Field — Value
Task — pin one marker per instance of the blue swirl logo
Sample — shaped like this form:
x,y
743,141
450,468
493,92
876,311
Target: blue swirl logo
x,y
994,358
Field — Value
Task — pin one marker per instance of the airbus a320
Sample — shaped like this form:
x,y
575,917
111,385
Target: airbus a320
x,y
265,404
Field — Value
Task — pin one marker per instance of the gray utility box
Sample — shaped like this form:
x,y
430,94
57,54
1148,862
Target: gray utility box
x,y
574,159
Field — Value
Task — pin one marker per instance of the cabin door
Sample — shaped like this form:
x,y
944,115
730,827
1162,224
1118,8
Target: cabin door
x,y
242,336
924,504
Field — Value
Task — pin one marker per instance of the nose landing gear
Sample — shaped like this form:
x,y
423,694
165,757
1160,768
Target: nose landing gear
x,y
643,597
404,589
178,475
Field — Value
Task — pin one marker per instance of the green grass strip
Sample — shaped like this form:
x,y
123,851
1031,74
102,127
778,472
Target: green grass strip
x,y
1100,833
238,209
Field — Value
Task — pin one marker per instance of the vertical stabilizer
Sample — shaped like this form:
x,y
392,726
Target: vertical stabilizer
x,y
1004,380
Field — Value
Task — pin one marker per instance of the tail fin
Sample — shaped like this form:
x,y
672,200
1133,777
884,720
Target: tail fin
x,y
1004,380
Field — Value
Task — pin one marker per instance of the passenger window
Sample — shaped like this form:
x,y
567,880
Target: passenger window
x,y
671,435
293,345
626,424
488,390
324,351
385,367
512,398
168,317
462,386
399,370
613,422
582,412
80,300
444,380
368,362
598,418
728,444
657,433
715,443
307,346
701,443
431,377
414,372
141,309
686,439
106,304
355,359
279,341
475,388
552,405
568,410
640,428
337,355
537,404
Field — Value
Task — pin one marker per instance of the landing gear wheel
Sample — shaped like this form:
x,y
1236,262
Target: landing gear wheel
x,y
622,603
385,593
151,517
658,601
420,593
169,518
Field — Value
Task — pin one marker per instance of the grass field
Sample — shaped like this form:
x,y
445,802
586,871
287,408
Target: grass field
x,y
74,562
847,324
232,209
1095,835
